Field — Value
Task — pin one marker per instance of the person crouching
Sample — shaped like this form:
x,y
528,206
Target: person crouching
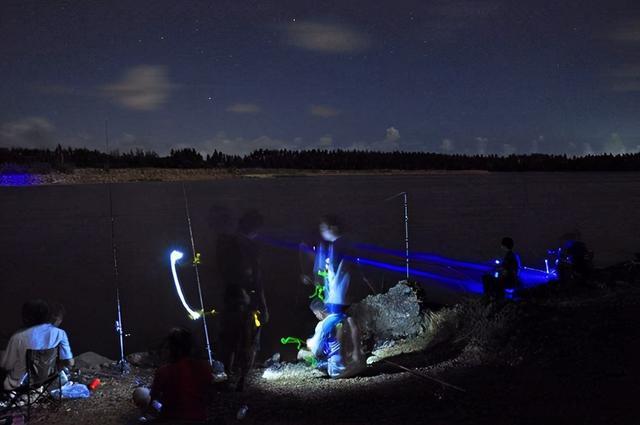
x,y
180,389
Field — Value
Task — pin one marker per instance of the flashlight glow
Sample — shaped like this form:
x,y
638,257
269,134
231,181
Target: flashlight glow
x,y
174,257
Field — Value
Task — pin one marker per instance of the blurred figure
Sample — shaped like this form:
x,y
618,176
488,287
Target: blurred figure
x,y
505,276
181,388
332,272
575,262
245,308
39,334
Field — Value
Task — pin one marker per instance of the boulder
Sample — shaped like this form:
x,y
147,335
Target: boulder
x,y
91,360
394,315
144,359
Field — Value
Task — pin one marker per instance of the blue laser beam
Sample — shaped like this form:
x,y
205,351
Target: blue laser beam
x,y
473,272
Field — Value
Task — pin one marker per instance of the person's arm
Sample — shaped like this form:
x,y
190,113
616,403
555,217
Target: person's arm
x,y
66,356
11,355
264,308
6,360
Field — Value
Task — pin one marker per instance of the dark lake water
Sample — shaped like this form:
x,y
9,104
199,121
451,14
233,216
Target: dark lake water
x,y
55,240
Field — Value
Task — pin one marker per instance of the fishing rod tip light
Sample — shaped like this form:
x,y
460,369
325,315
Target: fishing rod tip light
x,y
176,255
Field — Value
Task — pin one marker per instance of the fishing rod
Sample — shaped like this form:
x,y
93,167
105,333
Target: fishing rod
x,y
423,375
196,257
406,226
124,365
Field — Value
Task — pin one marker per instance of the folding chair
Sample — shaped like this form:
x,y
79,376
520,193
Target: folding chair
x,y
42,377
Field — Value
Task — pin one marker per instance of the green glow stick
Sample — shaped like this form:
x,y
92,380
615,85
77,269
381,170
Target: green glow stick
x,y
318,293
292,340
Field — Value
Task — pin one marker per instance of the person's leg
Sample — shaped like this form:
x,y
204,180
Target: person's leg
x,y
354,334
246,353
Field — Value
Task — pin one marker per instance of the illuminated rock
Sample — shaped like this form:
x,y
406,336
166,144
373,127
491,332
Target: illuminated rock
x,y
386,317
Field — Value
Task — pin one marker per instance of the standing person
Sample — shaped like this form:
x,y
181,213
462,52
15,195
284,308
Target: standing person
x,y
334,269
505,276
245,307
39,334
181,388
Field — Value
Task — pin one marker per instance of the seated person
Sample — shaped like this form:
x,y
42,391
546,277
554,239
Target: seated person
x,y
334,352
39,334
180,389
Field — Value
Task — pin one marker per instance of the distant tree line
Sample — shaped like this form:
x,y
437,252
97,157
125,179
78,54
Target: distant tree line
x,y
66,159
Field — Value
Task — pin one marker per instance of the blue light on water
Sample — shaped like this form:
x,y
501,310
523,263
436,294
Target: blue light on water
x,y
470,273
429,258
17,179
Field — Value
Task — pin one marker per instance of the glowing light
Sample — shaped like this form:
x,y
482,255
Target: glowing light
x,y
546,264
497,262
292,340
468,274
318,293
256,319
174,257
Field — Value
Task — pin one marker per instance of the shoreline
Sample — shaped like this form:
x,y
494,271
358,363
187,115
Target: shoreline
x,y
136,175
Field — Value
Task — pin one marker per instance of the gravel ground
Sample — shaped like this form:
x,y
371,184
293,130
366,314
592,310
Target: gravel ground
x,y
566,358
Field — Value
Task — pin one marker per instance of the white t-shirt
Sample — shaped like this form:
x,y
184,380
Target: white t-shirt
x,y
40,337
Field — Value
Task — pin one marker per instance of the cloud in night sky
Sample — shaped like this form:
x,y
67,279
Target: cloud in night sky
x,y
587,149
323,111
615,145
142,88
240,145
244,108
535,144
482,145
508,149
326,38
459,76
326,141
447,146
390,143
393,135
31,132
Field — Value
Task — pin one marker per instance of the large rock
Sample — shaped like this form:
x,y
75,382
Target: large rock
x,y
144,359
91,360
390,324
394,315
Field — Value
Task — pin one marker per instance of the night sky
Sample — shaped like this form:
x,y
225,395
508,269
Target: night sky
x,y
457,76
